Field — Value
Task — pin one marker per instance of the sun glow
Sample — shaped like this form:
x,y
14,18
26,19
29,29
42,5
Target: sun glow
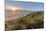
x,y
13,8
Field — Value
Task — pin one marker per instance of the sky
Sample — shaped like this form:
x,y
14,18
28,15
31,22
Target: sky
x,y
25,5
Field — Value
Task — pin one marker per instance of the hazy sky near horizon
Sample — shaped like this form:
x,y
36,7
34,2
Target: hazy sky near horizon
x,y
25,5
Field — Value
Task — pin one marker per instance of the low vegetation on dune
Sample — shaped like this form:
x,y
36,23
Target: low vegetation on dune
x,y
31,21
